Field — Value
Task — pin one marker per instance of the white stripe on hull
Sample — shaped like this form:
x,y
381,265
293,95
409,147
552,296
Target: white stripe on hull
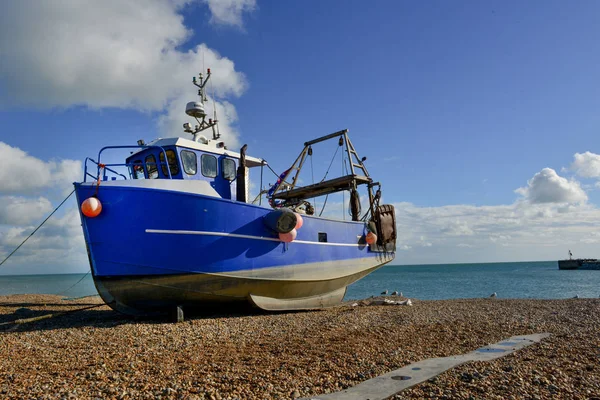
x,y
236,235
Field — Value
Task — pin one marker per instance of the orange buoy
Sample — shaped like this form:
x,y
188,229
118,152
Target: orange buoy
x,y
299,221
91,207
289,236
371,238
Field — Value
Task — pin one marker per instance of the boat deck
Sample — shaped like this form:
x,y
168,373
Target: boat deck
x,y
323,188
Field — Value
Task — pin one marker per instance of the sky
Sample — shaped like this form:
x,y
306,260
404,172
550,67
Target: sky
x,y
479,118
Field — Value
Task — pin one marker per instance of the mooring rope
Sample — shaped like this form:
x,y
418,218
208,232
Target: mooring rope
x,y
36,229
75,284
47,316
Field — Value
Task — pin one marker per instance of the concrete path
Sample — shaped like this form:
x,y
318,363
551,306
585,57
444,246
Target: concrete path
x,y
387,385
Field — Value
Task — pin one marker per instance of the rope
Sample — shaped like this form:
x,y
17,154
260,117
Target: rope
x,y
100,168
331,163
343,192
80,297
72,286
327,172
274,173
312,172
36,229
47,316
324,204
262,167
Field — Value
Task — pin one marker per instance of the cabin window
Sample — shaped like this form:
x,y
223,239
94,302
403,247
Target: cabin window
x,y
151,167
228,168
323,237
189,161
209,165
173,167
138,170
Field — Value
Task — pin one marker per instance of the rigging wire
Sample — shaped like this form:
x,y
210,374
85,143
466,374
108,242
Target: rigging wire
x,y
327,172
36,229
72,286
262,167
312,173
273,171
324,204
331,163
265,190
343,193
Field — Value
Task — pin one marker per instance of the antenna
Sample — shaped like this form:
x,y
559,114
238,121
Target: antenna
x,y
196,109
217,134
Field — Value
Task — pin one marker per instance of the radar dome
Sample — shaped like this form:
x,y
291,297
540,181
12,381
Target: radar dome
x,y
195,109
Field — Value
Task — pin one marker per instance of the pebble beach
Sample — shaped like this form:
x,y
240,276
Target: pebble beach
x,y
98,353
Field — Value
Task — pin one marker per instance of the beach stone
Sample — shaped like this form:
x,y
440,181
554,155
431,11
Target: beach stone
x,y
239,356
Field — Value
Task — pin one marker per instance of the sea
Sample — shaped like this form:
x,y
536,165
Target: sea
x,y
514,280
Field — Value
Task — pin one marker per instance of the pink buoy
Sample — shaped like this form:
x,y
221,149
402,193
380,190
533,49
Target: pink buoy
x,y
371,238
91,207
299,221
288,237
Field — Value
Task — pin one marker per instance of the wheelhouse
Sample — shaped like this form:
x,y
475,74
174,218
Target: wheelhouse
x,y
179,158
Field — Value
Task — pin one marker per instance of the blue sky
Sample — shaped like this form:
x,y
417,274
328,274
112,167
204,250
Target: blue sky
x,y
479,118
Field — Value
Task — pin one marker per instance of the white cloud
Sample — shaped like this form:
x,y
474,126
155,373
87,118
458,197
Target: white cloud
x,y
22,210
457,228
548,187
60,240
63,53
57,247
586,165
593,237
532,228
25,174
500,238
519,231
229,12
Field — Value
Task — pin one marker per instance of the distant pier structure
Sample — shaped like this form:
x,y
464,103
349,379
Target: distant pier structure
x,y
579,263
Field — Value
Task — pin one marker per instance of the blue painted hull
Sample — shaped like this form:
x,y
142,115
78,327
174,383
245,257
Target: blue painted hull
x,y
151,249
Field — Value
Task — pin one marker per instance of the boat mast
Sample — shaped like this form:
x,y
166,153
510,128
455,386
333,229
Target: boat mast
x,y
287,191
196,109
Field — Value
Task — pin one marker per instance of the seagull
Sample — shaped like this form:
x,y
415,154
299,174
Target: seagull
x,y
385,292
395,293
576,296
493,295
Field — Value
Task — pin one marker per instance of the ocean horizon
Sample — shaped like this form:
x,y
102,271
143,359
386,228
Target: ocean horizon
x,y
519,280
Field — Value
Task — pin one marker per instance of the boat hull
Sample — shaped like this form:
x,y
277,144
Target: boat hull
x,y
586,264
148,295
154,249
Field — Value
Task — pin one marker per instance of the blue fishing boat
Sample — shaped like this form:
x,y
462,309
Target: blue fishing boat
x,y
173,226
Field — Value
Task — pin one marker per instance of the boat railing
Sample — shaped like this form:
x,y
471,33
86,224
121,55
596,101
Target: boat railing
x,y
103,168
